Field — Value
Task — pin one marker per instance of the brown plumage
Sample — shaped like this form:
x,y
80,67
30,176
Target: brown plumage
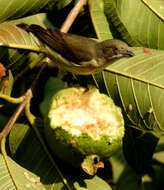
x,y
85,55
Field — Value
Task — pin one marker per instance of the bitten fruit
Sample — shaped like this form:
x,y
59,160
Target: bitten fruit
x,y
83,127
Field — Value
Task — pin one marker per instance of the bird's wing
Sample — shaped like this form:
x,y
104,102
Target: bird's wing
x,y
73,47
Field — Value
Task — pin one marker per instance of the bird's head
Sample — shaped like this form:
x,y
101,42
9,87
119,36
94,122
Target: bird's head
x,y
115,48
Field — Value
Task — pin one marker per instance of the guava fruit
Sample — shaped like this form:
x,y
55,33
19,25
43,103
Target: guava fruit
x,y
83,127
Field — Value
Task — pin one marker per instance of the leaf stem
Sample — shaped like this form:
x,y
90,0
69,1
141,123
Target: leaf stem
x,y
3,141
31,119
11,99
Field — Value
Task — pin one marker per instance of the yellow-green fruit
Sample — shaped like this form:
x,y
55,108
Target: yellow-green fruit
x,y
83,126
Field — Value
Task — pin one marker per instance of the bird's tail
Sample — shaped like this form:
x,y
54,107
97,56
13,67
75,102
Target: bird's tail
x,y
53,38
24,26
33,28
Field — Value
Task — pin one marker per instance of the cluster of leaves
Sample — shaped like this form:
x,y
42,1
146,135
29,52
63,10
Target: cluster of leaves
x,y
135,84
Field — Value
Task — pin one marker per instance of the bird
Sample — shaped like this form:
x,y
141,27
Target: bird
x,y
78,54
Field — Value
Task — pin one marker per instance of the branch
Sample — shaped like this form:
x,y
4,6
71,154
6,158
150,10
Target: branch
x,y
9,125
72,16
27,99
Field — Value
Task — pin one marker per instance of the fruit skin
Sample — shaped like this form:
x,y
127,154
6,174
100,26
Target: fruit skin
x,y
74,148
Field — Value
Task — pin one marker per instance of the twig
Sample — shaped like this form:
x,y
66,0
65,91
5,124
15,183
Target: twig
x,y
27,98
35,82
9,125
72,16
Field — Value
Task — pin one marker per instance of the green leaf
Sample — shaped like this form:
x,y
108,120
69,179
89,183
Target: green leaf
x,y
159,151
28,152
62,3
14,176
138,149
91,184
16,38
99,20
158,173
12,9
156,6
115,19
118,163
148,183
17,136
129,180
141,21
136,84
13,37
52,86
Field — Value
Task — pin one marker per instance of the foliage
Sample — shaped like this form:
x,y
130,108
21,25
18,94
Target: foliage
x,y
135,84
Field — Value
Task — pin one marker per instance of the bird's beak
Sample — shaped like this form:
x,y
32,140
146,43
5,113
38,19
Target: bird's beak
x,y
127,53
